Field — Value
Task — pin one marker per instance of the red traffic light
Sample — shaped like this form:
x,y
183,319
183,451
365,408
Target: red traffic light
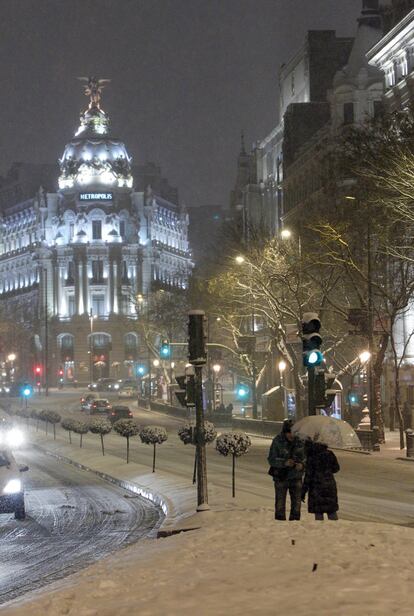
x,y
60,372
38,370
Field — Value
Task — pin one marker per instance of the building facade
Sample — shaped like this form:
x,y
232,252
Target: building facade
x,y
76,259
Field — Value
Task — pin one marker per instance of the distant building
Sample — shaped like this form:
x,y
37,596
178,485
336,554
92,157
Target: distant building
x,y
205,232
82,254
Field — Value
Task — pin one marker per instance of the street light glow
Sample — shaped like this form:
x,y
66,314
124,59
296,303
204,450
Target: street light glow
x,y
286,234
239,259
216,368
282,366
156,363
11,357
364,357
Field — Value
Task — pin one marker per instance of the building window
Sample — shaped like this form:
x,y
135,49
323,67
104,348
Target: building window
x,y
98,305
71,272
97,271
125,304
348,113
101,341
71,305
96,230
122,228
131,346
71,231
378,109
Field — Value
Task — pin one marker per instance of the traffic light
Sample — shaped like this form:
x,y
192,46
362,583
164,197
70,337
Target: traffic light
x,y
60,373
165,349
353,399
197,350
242,392
37,370
27,390
141,370
311,340
186,393
324,389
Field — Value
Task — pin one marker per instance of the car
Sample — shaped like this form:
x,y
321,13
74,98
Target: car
x,y
127,392
86,402
119,412
11,485
100,406
132,383
103,385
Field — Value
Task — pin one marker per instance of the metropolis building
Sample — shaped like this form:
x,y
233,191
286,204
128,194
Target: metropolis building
x,y
75,260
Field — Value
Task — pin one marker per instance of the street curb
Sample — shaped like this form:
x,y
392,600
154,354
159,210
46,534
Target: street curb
x,y
405,459
154,497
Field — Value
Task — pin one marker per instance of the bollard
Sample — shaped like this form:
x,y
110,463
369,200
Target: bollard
x,y
409,437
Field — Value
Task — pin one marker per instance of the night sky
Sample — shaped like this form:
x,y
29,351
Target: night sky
x,y
187,76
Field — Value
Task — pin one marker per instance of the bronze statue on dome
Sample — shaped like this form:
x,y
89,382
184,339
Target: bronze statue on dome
x,y
93,89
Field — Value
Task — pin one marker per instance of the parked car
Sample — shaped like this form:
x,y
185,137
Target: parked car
x,y
11,485
132,383
119,412
86,402
127,392
100,406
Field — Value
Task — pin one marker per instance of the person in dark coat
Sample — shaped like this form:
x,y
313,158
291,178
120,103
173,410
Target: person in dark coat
x,y
287,462
319,481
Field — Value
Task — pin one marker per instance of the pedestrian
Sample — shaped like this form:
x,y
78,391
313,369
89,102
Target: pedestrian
x,y
319,482
287,463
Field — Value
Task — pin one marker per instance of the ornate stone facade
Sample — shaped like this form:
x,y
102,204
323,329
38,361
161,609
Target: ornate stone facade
x,y
83,254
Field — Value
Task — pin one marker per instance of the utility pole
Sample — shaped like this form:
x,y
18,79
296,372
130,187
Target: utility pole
x,y
197,355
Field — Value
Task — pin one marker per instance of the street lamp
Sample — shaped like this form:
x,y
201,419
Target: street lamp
x,y
282,365
286,234
216,370
240,260
364,357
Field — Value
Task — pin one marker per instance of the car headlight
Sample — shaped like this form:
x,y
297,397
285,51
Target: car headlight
x,y
13,486
15,438
116,386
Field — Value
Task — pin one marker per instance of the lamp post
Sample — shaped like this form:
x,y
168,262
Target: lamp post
x,y
172,366
240,260
216,370
282,367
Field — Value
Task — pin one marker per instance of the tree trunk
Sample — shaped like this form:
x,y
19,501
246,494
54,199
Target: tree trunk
x,y
102,445
80,440
127,438
377,410
153,458
70,437
298,393
54,432
234,476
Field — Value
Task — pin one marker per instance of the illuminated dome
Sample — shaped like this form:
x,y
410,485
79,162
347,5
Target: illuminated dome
x,y
93,159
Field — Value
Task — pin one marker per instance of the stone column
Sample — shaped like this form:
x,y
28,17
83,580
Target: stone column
x,y
116,285
111,285
85,284
78,281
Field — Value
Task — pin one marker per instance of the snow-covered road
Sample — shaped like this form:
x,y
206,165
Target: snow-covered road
x,y
73,519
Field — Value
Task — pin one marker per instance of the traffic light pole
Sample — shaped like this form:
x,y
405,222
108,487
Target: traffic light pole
x,y
311,391
202,494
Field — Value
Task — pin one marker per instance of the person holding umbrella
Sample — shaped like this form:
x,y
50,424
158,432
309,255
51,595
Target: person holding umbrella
x,y
319,482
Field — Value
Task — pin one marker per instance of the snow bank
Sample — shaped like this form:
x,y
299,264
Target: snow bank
x,y
243,562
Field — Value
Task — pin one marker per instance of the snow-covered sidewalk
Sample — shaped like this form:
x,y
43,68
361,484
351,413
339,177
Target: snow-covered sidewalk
x,y
243,562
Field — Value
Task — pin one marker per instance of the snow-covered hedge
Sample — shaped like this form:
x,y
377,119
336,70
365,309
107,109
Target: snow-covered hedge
x,y
126,428
153,435
100,426
187,433
234,444
67,424
81,428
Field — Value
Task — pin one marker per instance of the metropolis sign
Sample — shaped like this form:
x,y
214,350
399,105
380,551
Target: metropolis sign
x,y
96,196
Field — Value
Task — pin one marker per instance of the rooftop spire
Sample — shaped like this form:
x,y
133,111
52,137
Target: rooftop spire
x,y
93,89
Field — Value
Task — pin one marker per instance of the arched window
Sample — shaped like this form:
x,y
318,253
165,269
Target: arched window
x,y
131,345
